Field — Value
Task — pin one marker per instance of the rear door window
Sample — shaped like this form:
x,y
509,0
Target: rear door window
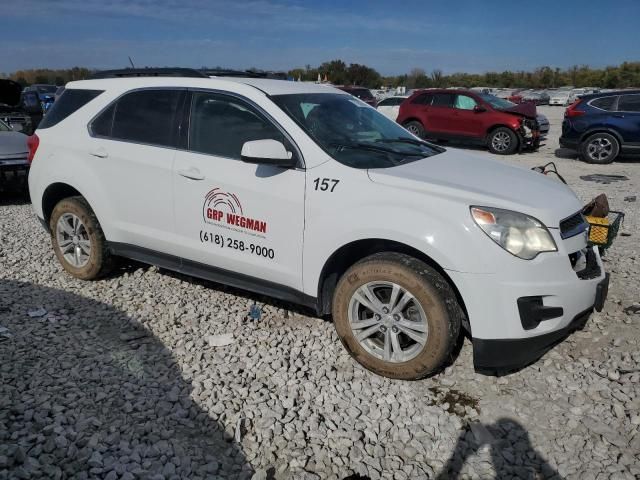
x,y
604,103
629,103
145,116
67,103
442,100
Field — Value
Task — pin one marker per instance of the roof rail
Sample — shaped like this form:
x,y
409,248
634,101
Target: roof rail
x,y
149,72
222,72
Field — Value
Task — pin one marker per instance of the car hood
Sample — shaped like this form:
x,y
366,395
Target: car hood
x,y
12,143
473,179
9,92
528,109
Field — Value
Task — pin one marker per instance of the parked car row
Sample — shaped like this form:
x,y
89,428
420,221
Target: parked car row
x,y
598,124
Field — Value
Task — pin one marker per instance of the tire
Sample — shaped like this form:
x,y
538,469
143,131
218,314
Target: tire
x,y
78,240
600,148
433,305
416,128
503,141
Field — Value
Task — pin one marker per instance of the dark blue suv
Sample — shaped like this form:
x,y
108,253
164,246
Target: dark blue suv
x,y
602,125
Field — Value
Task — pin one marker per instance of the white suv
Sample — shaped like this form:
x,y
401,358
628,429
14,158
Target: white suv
x,y
304,193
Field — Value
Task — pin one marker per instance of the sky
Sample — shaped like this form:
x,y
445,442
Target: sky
x,y
393,37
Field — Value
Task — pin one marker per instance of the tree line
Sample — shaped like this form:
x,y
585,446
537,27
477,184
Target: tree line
x,y
338,72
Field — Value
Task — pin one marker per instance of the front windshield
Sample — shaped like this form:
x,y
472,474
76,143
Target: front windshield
x,y
4,127
352,132
496,102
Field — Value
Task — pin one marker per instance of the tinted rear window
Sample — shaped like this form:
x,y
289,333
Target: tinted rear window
x,y
69,102
361,93
442,100
604,103
424,99
629,103
146,116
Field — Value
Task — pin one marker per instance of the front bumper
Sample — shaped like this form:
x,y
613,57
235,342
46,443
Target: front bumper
x,y
516,315
496,356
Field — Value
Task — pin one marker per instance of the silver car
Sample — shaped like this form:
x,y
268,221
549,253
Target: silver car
x,y
14,154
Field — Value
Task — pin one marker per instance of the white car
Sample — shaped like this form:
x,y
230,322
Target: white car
x,y
390,106
304,193
560,97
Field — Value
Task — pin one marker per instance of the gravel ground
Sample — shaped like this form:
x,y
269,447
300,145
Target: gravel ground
x,y
122,378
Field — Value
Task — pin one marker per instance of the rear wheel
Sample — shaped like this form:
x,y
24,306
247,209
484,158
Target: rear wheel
x,y
600,148
416,128
503,141
78,240
396,316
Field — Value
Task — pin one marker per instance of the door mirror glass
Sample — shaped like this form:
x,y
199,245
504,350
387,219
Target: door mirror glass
x,y
268,152
479,109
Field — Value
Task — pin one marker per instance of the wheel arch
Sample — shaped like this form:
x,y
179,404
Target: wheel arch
x,y
351,253
53,194
495,126
610,131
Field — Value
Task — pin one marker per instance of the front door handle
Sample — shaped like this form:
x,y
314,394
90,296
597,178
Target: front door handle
x,y
192,174
99,152
620,115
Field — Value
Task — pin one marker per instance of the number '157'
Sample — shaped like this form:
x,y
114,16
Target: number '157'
x,y
325,184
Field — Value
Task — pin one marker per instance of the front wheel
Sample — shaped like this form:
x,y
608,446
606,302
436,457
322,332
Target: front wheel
x,y
600,148
396,316
503,141
78,240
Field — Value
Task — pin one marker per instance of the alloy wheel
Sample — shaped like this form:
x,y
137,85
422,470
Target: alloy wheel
x,y
599,148
73,240
501,141
388,322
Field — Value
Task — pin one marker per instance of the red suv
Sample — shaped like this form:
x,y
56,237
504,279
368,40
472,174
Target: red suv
x,y
473,117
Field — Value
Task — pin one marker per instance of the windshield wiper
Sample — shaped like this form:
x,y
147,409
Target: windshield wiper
x,y
375,148
412,141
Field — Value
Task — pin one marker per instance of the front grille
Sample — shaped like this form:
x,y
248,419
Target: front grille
x,y
573,225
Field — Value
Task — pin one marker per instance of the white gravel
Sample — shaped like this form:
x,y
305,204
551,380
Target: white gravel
x,y
122,379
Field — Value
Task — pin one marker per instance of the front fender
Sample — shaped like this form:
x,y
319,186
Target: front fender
x,y
456,246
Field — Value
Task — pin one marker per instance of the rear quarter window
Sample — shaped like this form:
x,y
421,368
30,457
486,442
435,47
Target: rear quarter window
x,y
604,103
424,99
70,101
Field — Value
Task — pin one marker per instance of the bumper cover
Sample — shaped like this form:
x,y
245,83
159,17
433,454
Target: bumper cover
x,y
569,143
504,355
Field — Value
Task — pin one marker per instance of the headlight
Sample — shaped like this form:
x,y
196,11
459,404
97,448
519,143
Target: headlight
x,y
519,234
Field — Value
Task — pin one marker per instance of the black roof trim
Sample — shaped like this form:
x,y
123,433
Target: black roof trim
x,y
149,72
244,73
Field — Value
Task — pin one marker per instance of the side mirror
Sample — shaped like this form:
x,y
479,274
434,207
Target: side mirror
x,y
267,152
479,109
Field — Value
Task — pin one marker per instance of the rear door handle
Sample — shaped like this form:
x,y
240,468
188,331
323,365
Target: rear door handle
x,y
99,152
192,174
